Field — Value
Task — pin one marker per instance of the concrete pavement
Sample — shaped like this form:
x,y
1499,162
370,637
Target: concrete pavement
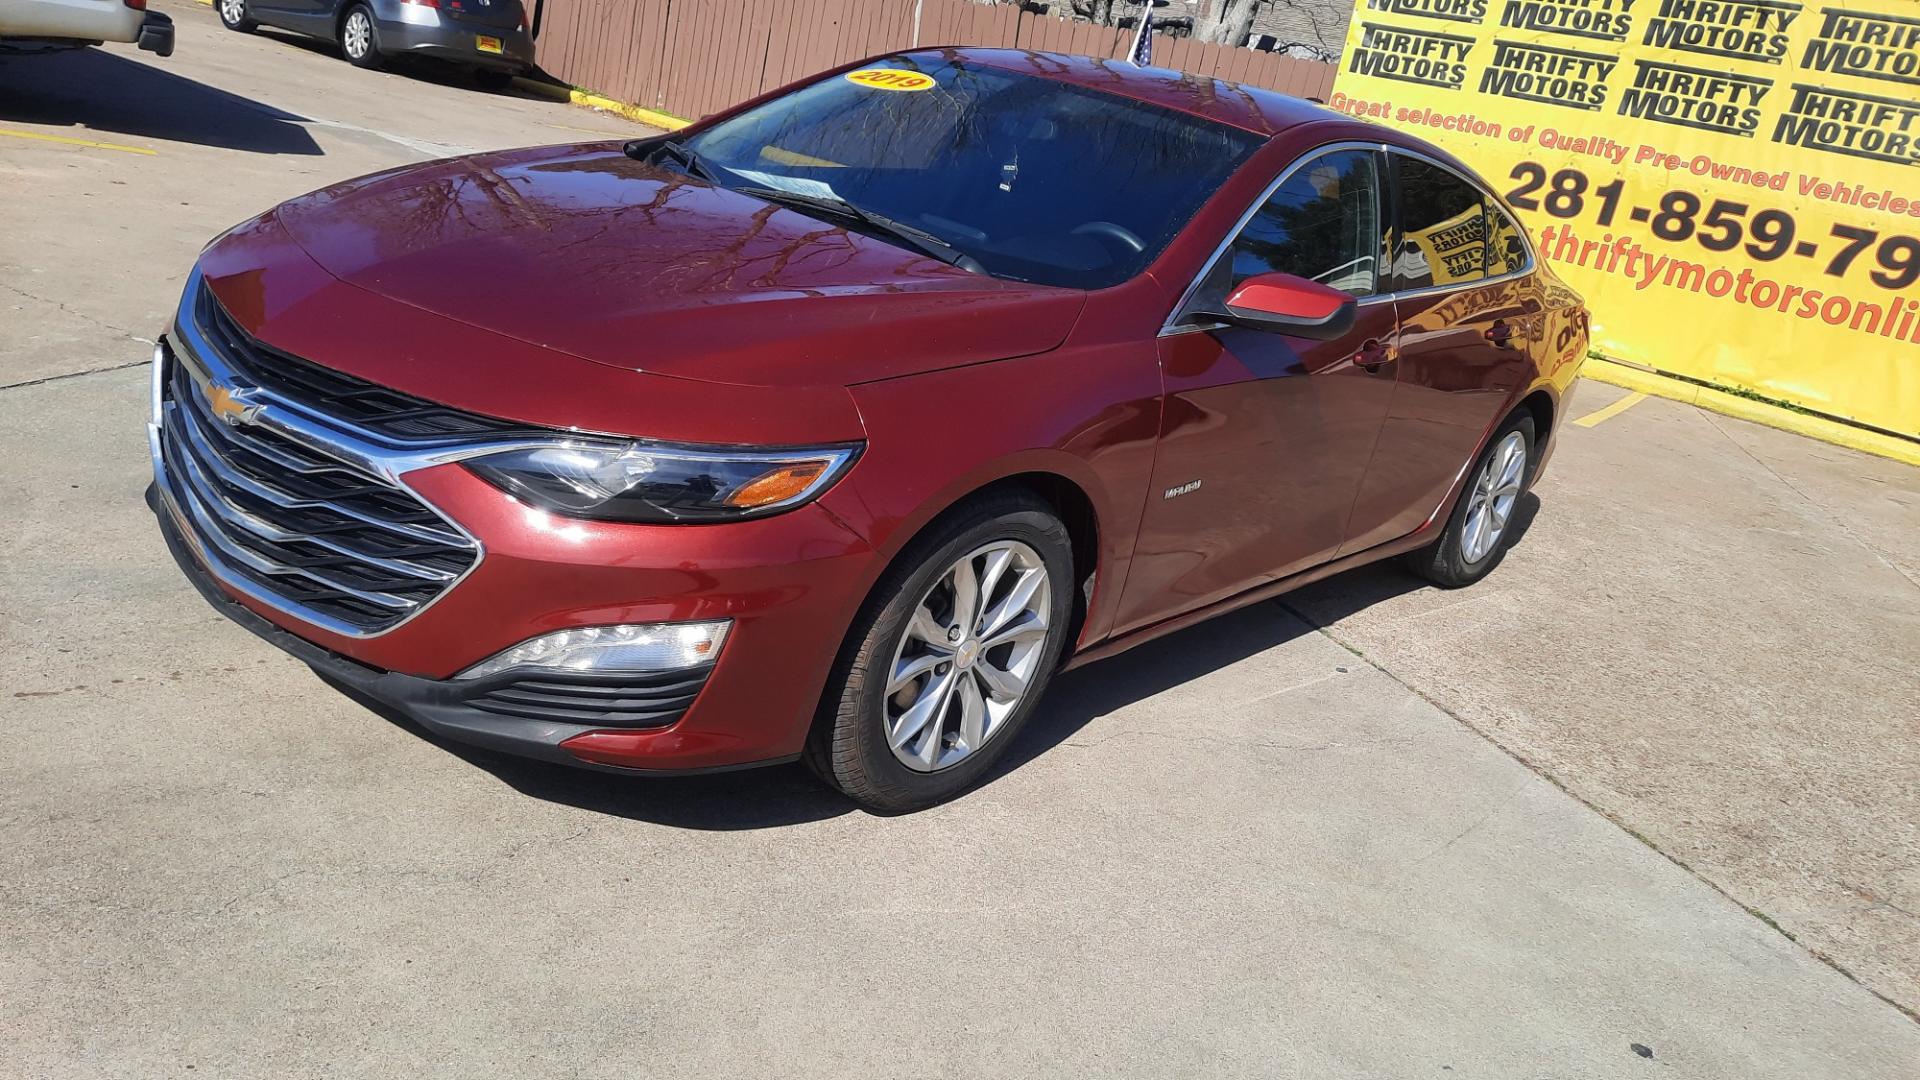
x,y
1243,851
1712,633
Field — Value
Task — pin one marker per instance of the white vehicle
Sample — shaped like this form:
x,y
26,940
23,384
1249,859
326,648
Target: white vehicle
x,y
31,24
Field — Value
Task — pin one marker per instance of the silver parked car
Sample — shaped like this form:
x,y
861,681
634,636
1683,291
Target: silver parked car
x,y
488,37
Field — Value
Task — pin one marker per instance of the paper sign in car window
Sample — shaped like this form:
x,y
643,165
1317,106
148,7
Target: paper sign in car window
x,y
1455,249
890,79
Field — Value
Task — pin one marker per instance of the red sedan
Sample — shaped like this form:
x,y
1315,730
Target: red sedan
x,y
834,425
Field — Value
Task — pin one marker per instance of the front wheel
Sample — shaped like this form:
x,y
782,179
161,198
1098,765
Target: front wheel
x,y
1477,533
234,16
358,40
948,658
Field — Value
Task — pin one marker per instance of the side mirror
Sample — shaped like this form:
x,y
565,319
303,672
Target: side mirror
x,y
1285,304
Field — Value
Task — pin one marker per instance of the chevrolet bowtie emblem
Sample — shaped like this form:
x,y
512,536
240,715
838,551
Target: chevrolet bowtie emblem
x,y
228,404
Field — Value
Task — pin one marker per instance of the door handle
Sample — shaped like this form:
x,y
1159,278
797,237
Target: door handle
x,y
1500,333
1373,355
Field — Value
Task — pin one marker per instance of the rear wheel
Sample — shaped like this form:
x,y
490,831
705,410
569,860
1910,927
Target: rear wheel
x,y
491,79
234,16
358,40
1477,534
949,657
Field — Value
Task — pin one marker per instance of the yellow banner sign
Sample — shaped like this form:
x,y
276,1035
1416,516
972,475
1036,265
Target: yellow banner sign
x,y
1733,184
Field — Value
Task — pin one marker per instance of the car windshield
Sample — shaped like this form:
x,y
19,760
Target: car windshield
x,y
1033,179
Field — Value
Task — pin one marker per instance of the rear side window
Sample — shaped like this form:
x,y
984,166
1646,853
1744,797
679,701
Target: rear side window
x,y
1323,223
1506,252
1443,227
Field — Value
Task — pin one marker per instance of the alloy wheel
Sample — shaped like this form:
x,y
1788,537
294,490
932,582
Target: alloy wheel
x,y
233,12
1490,503
969,654
358,35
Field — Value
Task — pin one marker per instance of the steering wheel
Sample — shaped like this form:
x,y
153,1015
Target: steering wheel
x,y
1118,233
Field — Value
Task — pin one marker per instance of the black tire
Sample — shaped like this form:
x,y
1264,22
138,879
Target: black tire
x,y
369,54
848,747
235,16
491,79
1445,561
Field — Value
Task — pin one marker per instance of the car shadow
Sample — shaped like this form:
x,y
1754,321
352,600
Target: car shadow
x,y
784,795
1081,696
788,795
99,91
1325,603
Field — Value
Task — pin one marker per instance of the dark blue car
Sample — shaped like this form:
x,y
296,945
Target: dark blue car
x,y
489,37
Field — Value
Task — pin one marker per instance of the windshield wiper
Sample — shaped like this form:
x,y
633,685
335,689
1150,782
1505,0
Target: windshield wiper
x,y
919,239
649,149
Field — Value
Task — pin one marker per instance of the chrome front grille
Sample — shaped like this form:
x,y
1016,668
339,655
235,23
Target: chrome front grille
x,y
289,506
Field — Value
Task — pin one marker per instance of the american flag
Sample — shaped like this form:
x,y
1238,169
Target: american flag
x,y
1142,52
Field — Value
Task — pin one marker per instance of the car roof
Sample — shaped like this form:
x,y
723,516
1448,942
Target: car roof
x,y
1250,108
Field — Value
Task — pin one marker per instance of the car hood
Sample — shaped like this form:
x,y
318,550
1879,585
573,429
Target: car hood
x,y
584,250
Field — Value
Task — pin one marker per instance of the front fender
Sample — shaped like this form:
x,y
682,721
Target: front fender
x,y
1087,415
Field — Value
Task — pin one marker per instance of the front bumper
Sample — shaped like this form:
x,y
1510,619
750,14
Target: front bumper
x,y
457,43
451,708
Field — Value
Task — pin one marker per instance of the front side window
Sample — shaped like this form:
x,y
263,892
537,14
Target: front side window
x,y
1034,179
1443,227
1322,223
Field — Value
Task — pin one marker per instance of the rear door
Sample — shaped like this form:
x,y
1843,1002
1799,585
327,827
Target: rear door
x,y
1469,311
1265,438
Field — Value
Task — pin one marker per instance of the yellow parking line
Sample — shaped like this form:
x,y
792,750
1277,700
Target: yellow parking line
x,y
1611,411
77,142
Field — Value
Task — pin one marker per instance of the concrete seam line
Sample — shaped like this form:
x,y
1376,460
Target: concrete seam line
x,y
1759,412
1836,520
1755,913
76,374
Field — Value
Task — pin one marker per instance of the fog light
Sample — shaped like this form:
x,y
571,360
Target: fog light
x,y
595,649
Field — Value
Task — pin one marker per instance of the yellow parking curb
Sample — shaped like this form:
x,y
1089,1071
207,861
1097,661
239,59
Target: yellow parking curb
x,y
1760,412
632,112
650,117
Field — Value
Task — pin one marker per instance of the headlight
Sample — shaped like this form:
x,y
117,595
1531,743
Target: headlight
x,y
652,483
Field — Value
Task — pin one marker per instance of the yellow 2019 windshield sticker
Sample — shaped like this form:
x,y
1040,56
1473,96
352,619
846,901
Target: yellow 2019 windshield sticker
x,y
890,79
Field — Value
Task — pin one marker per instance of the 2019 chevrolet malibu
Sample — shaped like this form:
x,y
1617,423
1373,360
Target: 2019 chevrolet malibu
x,y
833,426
